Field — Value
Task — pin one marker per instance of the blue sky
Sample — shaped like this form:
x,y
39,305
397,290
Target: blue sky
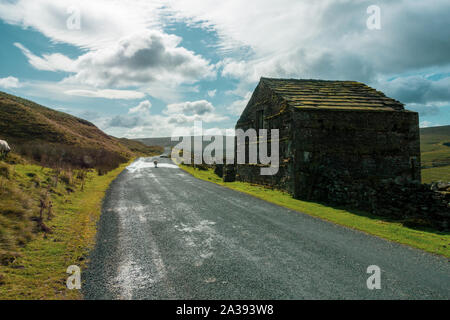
x,y
152,68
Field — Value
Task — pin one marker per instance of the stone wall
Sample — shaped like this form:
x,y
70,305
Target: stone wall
x,y
400,198
252,174
277,115
366,145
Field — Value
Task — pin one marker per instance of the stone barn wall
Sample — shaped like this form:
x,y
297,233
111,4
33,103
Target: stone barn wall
x,y
365,146
276,115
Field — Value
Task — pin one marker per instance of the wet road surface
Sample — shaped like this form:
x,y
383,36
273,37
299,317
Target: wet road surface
x,y
166,235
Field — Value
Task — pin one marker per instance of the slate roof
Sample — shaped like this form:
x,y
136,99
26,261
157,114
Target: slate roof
x,y
324,94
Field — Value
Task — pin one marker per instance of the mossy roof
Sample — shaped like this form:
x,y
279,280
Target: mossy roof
x,y
324,94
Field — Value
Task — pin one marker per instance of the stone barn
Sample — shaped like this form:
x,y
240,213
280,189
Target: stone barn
x,y
331,131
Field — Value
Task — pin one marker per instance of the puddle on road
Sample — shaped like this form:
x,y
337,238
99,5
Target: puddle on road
x,y
145,164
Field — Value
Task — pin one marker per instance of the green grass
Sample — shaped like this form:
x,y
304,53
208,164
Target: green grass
x,y
435,154
425,239
436,174
39,272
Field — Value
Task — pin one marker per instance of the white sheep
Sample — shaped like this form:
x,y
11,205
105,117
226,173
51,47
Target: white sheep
x,y
4,148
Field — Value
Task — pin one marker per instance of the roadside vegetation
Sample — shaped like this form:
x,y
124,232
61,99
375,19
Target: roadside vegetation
x,y
422,238
436,174
48,217
47,222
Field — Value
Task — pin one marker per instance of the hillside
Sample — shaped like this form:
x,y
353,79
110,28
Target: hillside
x,y
24,120
52,138
140,148
56,159
163,142
435,146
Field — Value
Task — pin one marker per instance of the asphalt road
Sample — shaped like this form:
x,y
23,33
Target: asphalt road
x,y
166,235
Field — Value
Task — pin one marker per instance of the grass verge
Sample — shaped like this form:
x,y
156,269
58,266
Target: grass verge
x,y
425,239
436,174
39,272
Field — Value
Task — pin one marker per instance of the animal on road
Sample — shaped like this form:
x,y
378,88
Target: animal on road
x,y
4,149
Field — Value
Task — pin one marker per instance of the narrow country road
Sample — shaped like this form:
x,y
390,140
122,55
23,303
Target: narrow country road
x,y
166,235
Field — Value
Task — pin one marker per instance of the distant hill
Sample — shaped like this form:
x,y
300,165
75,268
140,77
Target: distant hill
x,y
140,148
168,143
162,142
55,138
435,145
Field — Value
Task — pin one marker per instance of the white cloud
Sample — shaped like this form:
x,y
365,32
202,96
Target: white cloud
x,y
238,106
124,45
107,94
212,93
139,59
48,62
323,39
190,108
189,112
417,89
181,119
142,108
287,38
138,116
9,82
177,119
102,21
428,124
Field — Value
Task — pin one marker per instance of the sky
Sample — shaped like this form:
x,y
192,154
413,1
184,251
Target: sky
x,y
150,68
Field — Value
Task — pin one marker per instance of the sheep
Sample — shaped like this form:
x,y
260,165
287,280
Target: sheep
x,y
4,148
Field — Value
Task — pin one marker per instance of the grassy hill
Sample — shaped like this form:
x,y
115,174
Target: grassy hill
x,y
53,139
24,120
163,142
435,147
140,148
